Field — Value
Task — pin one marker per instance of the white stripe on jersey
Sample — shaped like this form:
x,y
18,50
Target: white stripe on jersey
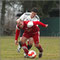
x,y
26,16
17,27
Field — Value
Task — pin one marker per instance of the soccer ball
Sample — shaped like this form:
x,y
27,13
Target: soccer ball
x,y
32,54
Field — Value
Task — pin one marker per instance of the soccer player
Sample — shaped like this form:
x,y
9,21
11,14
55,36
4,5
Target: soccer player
x,y
32,16
30,30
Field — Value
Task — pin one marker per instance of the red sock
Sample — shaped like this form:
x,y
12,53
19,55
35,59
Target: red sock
x,y
24,46
40,48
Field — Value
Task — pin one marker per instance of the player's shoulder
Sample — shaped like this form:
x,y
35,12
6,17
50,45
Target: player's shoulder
x,y
27,13
37,17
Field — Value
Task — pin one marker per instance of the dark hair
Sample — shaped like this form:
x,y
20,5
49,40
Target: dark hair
x,y
35,10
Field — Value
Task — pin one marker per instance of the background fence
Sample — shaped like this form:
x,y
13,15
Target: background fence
x,y
11,10
53,27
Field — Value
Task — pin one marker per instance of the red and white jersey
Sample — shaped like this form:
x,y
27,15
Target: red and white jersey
x,y
30,30
34,28
26,17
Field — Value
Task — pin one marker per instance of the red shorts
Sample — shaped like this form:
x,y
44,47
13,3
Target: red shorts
x,y
35,36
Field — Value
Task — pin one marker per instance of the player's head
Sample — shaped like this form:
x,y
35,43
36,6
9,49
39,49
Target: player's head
x,y
34,12
20,23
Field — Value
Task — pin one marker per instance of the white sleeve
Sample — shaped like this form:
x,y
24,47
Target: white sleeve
x,y
22,17
38,19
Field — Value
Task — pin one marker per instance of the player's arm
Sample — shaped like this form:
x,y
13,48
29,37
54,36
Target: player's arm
x,y
21,18
40,23
17,34
31,23
17,31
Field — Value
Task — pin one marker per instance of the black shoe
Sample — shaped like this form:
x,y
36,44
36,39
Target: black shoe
x,y
40,55
26,56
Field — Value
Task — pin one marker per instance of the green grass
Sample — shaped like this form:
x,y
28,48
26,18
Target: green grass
x,y
8,49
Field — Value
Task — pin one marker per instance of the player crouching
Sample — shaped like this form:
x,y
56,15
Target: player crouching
x,y
30,30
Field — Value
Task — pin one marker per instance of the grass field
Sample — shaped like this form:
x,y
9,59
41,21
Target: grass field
x,y
8,50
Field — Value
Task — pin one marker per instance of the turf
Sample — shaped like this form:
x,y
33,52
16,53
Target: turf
x,y
8,49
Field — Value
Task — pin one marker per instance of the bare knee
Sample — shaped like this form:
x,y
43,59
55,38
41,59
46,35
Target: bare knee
x,y
37,45
31,41
23,40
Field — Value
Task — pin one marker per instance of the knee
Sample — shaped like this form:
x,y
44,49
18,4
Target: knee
x,y
23,40
31,43
36,45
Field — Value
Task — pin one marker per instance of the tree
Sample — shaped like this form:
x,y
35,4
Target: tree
x,y
43,6
2,17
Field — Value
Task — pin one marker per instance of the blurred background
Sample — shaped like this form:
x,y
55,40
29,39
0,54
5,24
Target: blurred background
x,y
48,13
10,10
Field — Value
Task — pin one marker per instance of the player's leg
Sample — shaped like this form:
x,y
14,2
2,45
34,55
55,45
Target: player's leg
x,y
37,45
23,43
30,43
24,46
19,46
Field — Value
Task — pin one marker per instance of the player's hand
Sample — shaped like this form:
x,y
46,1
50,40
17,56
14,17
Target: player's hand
x,y
16,42
46,25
